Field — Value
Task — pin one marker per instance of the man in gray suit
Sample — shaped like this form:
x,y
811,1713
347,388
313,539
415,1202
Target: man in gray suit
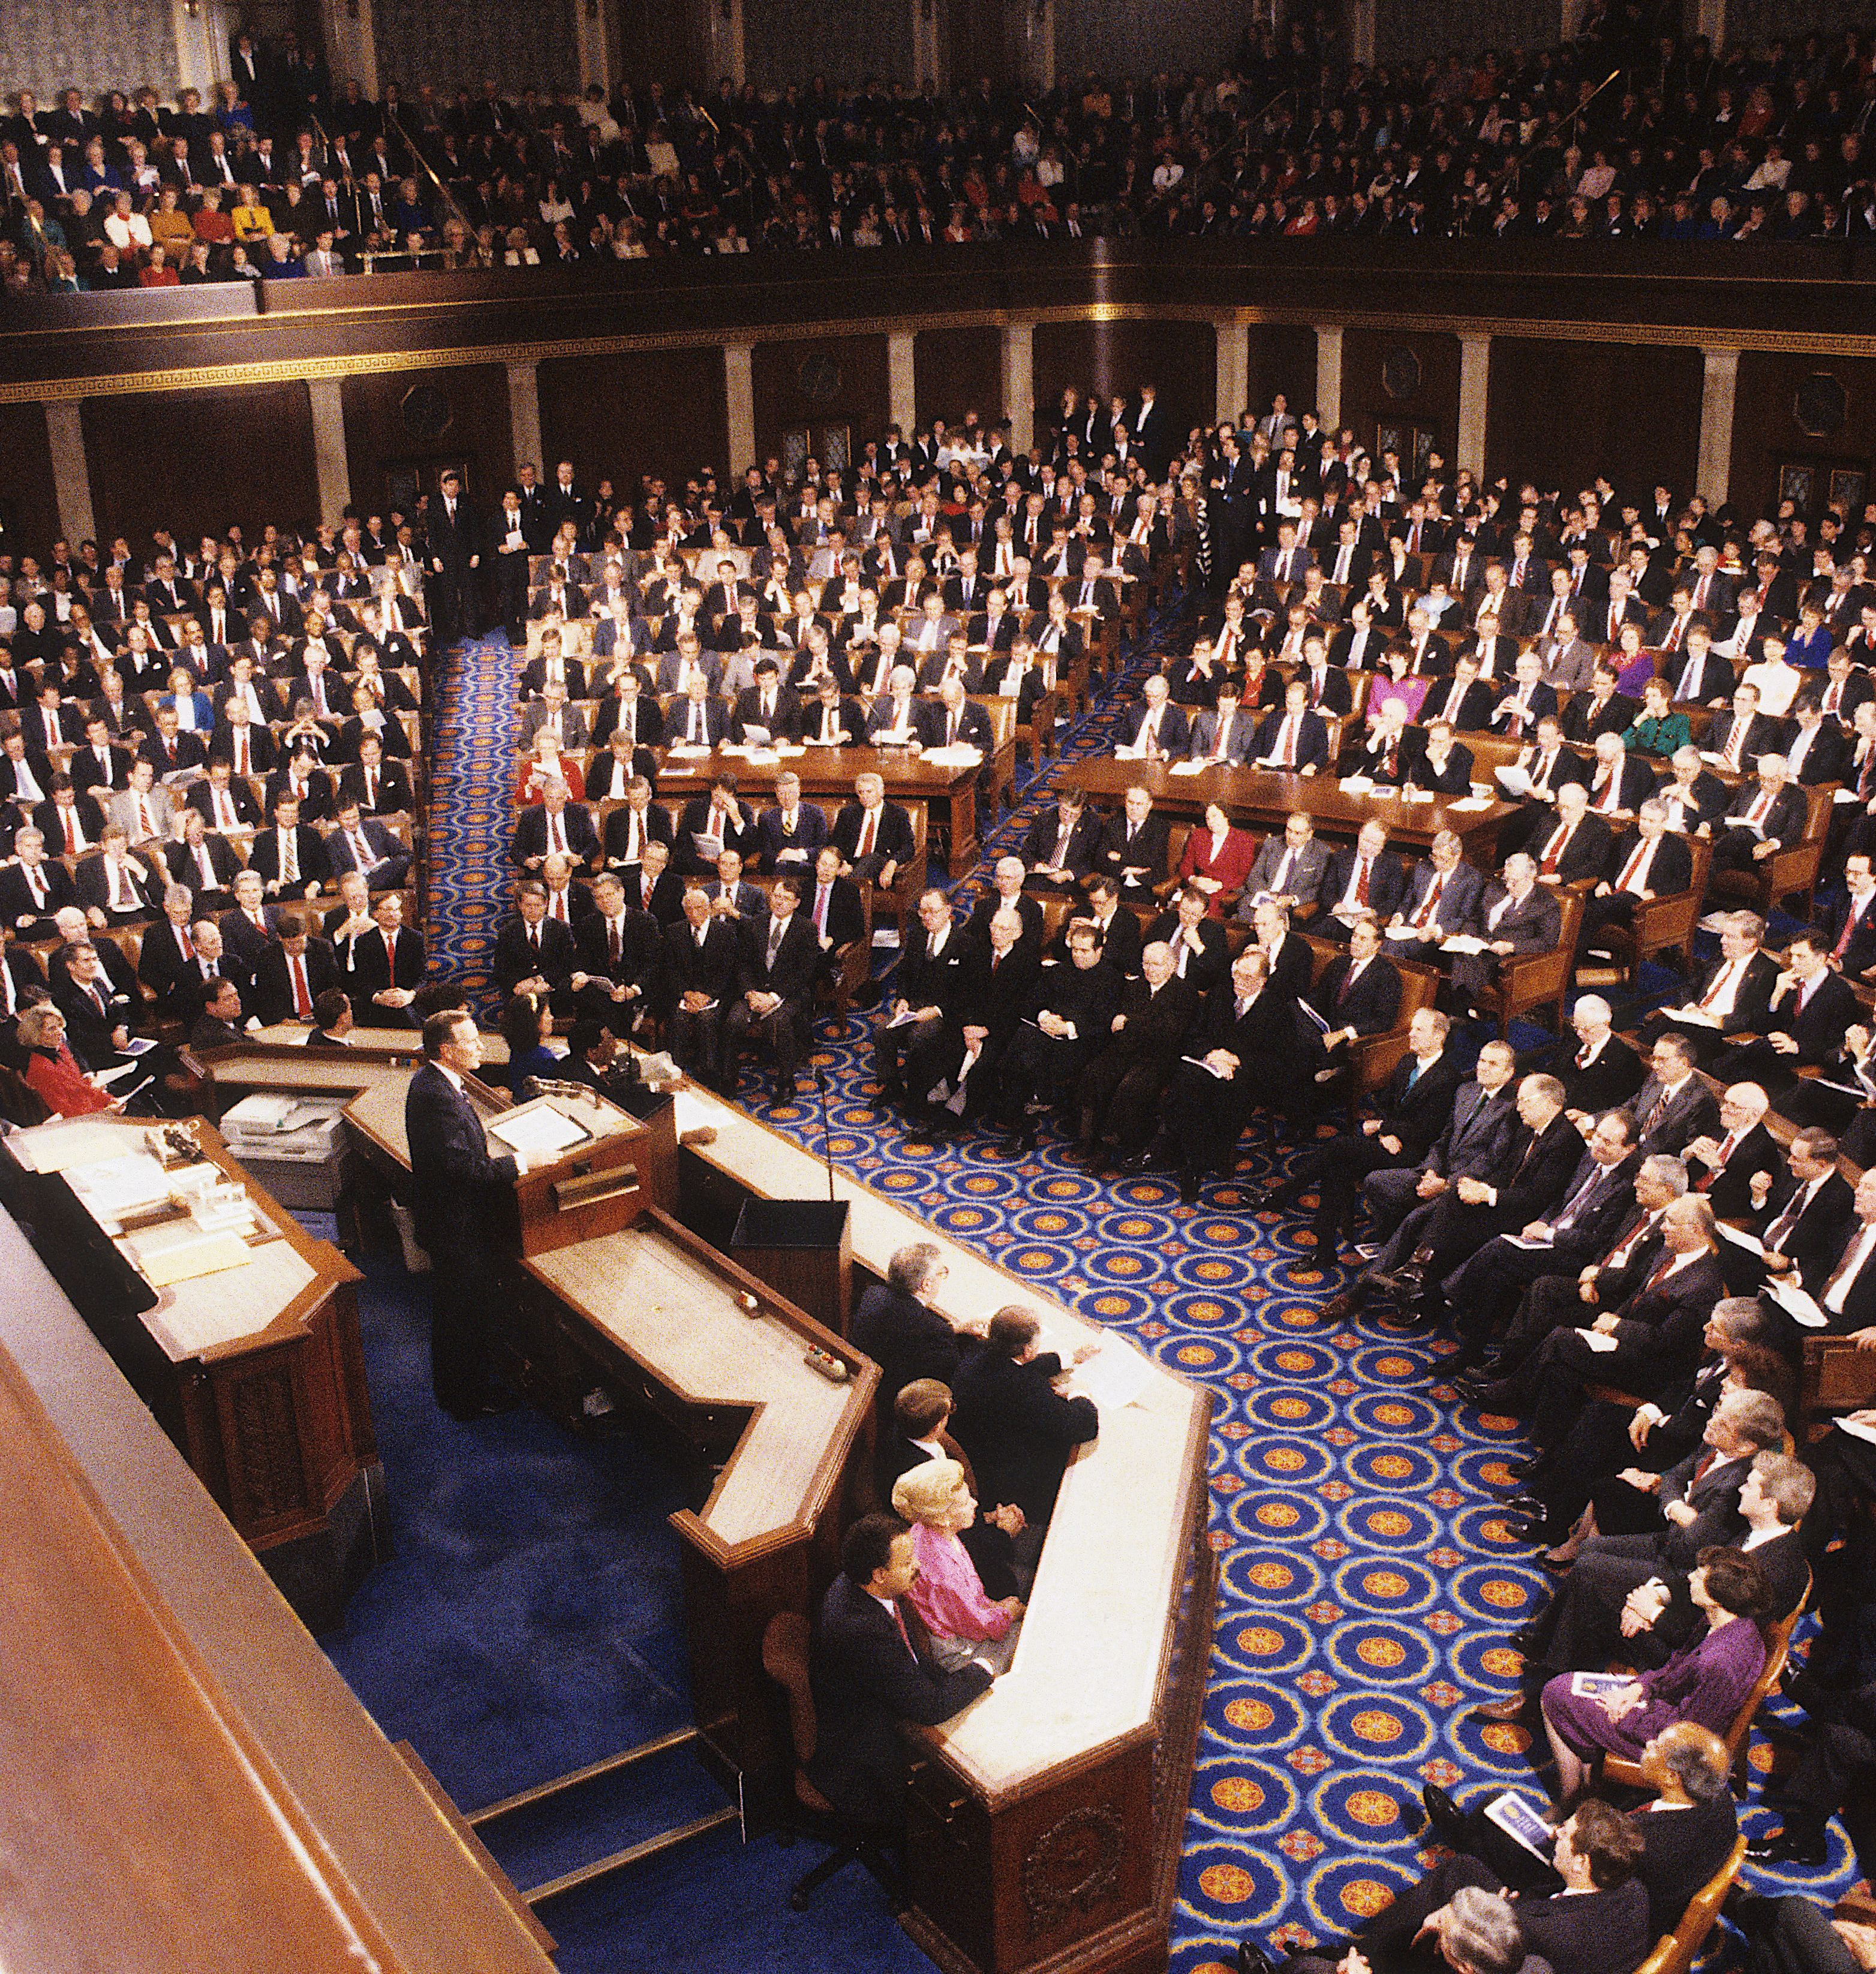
x,y
1517,915
1674,1107
1568,663
1226,734
553,710
1442,899
145,813
1290,867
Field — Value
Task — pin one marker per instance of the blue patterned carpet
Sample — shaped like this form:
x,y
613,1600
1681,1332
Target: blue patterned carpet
x,y
1367,1579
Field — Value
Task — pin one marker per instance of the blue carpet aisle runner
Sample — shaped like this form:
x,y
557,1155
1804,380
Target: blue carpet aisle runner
x,y
1367,1579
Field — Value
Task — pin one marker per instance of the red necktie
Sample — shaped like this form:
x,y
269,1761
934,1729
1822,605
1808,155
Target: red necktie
x,y
866,833
71,831
1851,921
1636,858
1705,1182
1361,881
1430,903
302,1000
1560,842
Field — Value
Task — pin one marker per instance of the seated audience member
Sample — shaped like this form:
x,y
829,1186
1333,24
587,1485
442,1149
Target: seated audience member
x,y
221,1021
56,1076
1019,1431
1217,861
332,1021
1402,1200
791,832
1597,1924
382,967
1363,884
703,958
1410,1115
1766,815
875,836
929,988
951,1075
780,962
1290,867
1135,847
1733,997
1442,900
1200,948
1705,1681
1687,1827
1243,1054
868,1677
559,826
962,1622
534,954
1117,1094
1070,1014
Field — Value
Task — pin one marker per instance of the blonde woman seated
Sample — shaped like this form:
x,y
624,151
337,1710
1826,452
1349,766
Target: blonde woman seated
x,y
549,761
948,1594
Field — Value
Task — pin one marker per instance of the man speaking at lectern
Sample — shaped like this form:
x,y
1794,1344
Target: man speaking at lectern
x,y
453,1180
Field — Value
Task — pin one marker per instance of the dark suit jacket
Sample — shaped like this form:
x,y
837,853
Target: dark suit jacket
x,y
1818,1028
893,838
792,974
1658,1329
1693,1113
1039,840
709,969
907,1340
1785,821
453,1178
1815,1244
530,834
1583,856
1458,907
1752,1002
1672,870
1311,741
1018,1430
866,1679
1476,1135
514,959
1611,1079
273,988
309,849
1387,882
1370,1006
924,983
1532,926
1418,1115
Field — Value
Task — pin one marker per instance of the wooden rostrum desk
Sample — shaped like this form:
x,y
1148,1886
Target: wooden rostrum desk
x,y
1044,1822
255,1371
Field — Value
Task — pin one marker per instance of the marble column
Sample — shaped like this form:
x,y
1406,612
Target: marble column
x,y
71,472
594,43
1019,384
901,384
1329,377
351,45
333,469
1474,371
1233,386
739,400
524,422
202,40
1713,477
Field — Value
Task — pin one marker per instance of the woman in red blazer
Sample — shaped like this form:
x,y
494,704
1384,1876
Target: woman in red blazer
x,y
1217,861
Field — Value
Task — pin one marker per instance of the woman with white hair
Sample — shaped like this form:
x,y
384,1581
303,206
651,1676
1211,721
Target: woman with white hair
x,y
948,1594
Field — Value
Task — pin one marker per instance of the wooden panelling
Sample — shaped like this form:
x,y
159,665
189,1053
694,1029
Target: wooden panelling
x,y
1559,413
28,501
400,421
1766,433
1433,406
1180,357
622,416
817,382
957,371
200,462
1277,358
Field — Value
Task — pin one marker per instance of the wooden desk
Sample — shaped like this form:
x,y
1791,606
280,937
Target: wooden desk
x,y
1045,1825
830,770
1263,799
256,1372
192,1784
1045,1822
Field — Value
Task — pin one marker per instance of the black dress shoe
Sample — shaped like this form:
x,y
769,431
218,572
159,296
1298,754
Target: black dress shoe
x,y
1530,1505
1403,1281
1254,1959
1525,1470
1447,1819
1474,1391
1782,1848
1526,1529
1189,1184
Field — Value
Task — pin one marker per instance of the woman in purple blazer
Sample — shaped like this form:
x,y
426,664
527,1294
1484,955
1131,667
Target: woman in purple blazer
x,y
1706,1681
